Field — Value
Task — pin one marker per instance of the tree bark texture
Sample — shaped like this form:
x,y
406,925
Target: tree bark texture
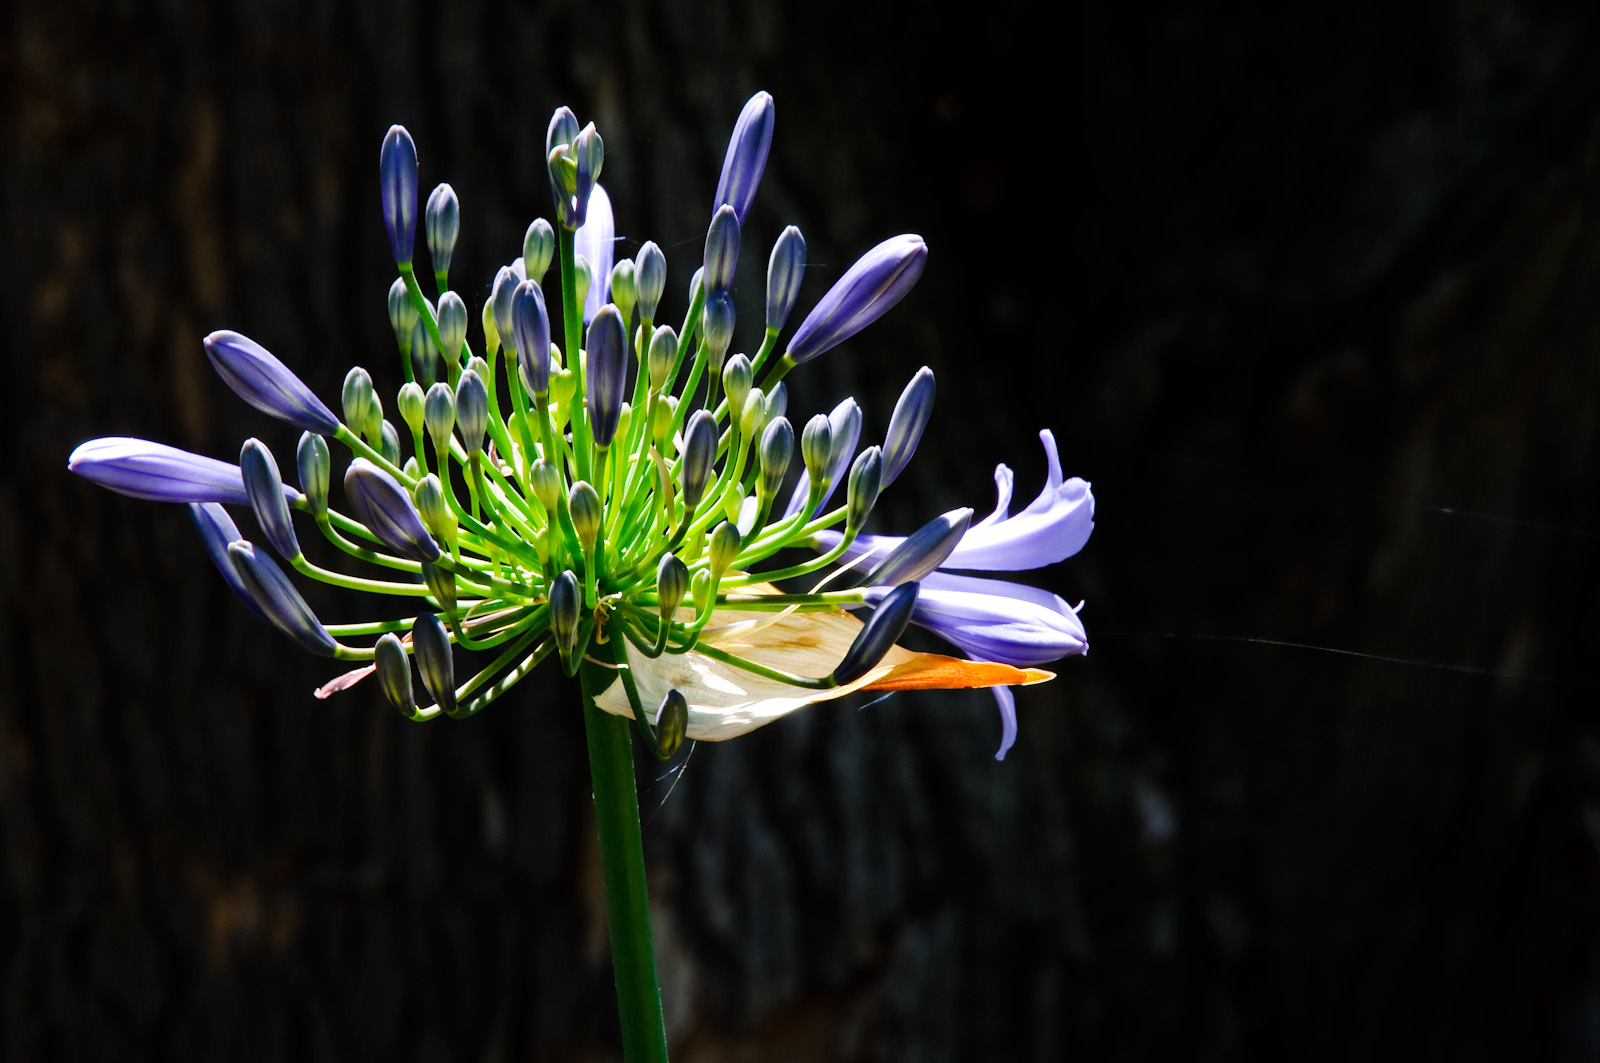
x,y
1309,295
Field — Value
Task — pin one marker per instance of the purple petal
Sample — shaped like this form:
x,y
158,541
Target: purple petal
x,y
995,620
217,530
397,179
1054,527
260,379
139,468
1008,720
595,241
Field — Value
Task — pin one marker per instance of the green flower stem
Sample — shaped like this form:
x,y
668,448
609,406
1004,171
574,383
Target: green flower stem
x,y
825,683
616,807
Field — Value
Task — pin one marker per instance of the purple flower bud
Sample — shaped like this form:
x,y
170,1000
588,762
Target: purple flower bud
x,y
385,508
905,427
699,454
359,400
595,240
722,250
784,270
397,176
716,323
882,630
394,672
649,279
472,409
747,155
217,530
778,400
504,291
606,373
442,219
672,583
266,383
264,484
154,471
921,552
816,445
538,248
431,645
879,279
277,600
532,326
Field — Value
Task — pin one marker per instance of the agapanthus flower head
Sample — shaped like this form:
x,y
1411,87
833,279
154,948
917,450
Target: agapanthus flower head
x,y
581,482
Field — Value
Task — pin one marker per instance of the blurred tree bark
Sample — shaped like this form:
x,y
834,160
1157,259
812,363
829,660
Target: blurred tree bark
x,y
1308,295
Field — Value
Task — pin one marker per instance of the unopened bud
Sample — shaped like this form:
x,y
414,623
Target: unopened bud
x,y
394,673
472,410
311,457
921,552
699,453
442,217
587,513
784,270
546,485
452,327
723,549
440,419
716,322
566,611
622,289
649,279
672,583
389,443
359,400
402,312
538,248
663,353
264,484
431,643
672,724
865,478
816,445
777,447
410,403
883,628
424,353
736,381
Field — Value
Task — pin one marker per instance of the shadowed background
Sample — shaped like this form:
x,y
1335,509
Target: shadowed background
x,y
1309,297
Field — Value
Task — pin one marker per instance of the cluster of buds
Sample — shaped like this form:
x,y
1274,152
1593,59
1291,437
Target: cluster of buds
x,y
617,496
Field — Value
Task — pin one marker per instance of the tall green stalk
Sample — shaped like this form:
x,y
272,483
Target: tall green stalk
x,y
616,813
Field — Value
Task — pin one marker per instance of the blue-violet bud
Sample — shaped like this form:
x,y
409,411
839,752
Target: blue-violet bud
x,y
264,484
359,400
905,426
865,480
442,218
587,512
431,644
386,509
267,384
397,175
276,599
606,373
882,630
777,447
566,611
722,250
699,453
532,326
784,271
747,155
472,410
879,279
402,312
816,446
424,353
716,322
503,293
922,551
217,530
672,583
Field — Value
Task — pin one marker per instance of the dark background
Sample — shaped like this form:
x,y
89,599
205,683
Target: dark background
x,y
1310,296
